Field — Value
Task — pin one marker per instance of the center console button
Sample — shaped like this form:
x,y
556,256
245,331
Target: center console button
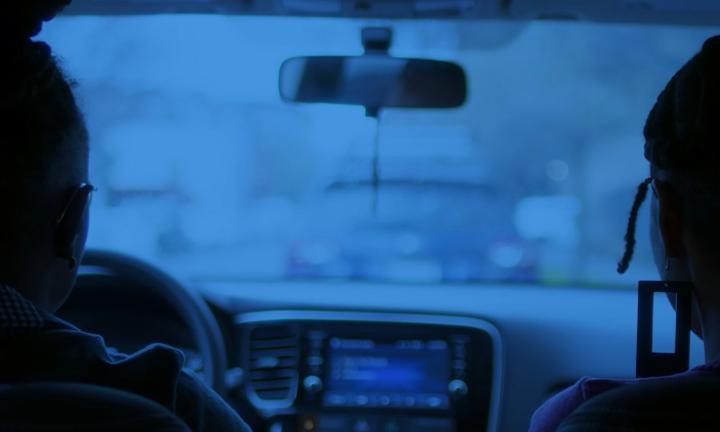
x,y
458,388
336,400
308,425
361,400
434,402
362,425
313,384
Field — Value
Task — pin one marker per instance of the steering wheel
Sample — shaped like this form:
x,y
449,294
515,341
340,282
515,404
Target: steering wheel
x,y
188,305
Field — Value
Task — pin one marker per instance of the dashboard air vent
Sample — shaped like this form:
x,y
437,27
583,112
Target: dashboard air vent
x,y
273,363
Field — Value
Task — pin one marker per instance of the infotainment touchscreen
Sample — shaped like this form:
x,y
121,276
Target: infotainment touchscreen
x,y
387,373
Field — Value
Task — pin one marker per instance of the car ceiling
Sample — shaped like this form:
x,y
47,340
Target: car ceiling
x,y
693,12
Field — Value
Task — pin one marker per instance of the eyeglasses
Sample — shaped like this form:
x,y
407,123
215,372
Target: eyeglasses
x,y
79,200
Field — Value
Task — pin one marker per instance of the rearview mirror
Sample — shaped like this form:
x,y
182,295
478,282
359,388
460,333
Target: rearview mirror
x,y
373,81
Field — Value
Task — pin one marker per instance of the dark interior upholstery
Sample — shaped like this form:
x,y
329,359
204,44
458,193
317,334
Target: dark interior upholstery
x,y
682,404
59,407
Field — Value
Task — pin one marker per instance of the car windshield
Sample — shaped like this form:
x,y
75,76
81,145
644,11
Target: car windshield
x,y
204,170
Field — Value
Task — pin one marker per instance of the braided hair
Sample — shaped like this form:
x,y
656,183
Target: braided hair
x,y
41,125
682,144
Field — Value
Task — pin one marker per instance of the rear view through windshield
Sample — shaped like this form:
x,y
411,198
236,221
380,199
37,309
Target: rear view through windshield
x,y
202,169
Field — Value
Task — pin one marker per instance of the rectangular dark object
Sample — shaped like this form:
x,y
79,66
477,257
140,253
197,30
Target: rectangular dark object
x,y
374,81
649,363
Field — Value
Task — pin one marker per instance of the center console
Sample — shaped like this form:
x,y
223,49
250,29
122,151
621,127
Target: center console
x,y
319,371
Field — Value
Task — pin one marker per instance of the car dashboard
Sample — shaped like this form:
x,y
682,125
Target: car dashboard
x,y
331,356
490,354
358,371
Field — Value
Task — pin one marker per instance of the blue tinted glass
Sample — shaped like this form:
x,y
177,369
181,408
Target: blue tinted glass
x,y
201,168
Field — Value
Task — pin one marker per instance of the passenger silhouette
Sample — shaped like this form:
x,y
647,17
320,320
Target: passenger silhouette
x,y
43,225
682,146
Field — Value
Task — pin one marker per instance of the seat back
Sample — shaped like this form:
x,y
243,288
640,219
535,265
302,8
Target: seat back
x,y
61,407
682,404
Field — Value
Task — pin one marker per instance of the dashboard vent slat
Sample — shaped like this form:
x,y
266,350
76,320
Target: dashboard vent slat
x,y
274,385
273,375
274,396
272,360
285,352
263,344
